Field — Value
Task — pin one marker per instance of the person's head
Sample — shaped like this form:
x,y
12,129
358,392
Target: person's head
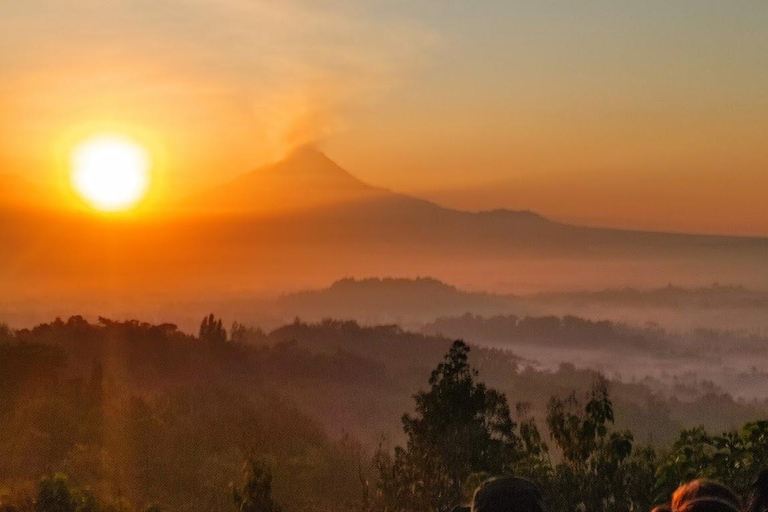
x,y
758,497
701,488
760,485
661,508
507,494
707,505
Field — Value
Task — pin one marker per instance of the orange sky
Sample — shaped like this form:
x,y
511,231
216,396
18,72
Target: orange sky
x,y
651,115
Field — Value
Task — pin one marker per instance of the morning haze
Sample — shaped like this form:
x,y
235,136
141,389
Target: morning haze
x,y
644,103
383,256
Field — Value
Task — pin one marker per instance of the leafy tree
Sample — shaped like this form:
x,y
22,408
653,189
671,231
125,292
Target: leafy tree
x,y
6,334
579,434
211,330
256,493
460,428
240,333
54,494
600,471
534,461
733,458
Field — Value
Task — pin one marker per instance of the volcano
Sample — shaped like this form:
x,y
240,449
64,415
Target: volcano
x,y
305,222
305,180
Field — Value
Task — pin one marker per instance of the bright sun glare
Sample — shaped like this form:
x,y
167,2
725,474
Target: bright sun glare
x,y
110,172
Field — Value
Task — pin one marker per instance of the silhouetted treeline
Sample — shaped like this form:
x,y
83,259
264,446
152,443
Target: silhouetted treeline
x,y
376,367
154,416
139,414
463,432
574,332
715,296
567,331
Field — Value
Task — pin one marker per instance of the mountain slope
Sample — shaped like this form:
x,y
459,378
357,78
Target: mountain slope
x,y
305,179
304,222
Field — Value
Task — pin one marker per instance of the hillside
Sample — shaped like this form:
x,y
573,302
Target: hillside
x,y
389,300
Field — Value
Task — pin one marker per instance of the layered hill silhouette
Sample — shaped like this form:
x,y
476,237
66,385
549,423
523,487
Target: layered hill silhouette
x,y
304,222
412,303
401,301
427,297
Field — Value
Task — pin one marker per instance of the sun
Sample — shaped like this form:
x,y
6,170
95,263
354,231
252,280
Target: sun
x,y
110,172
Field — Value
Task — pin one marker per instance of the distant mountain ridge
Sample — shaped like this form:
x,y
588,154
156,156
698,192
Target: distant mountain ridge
x,y
305,221
306,179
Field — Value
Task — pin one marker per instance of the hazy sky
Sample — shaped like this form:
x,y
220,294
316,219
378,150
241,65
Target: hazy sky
x,y
650,114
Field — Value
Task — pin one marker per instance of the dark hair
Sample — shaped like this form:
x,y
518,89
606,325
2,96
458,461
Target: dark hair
x,y
707,505
758,498
702,488
507,494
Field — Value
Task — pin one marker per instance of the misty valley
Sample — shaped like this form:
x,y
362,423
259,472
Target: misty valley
x,y
198,359
127,415
383,256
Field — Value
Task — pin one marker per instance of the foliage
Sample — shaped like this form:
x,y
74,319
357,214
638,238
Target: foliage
x,y
211,330
734,458
534,461
147,416
240,333
256,492
460,428
55,493
6,334
460,418
600,470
